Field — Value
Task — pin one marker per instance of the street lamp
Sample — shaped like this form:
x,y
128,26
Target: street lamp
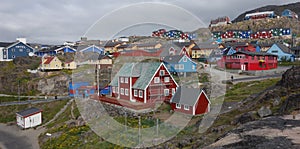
x,y
49,135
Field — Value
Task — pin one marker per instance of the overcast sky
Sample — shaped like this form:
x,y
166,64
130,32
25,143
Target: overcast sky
x,y
56,21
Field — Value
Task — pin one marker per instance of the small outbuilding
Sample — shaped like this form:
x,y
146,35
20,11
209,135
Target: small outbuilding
x,y
193,101
29,118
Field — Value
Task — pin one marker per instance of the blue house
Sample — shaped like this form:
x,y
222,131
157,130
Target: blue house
x,y
65,49
14,50
288,13
283,52
92,48
180,64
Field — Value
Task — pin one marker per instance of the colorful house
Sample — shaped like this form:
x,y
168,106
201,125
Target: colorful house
x,y
191,101
143,82
14,50
29,118
70,65
284,53
248,61
90,48
290,14
50,63
180,64
65,49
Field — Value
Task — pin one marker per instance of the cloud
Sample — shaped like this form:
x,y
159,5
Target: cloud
x,y
56,21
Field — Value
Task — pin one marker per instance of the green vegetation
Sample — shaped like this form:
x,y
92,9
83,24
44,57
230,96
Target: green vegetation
x,y
286,63
11,99
8,113
243,90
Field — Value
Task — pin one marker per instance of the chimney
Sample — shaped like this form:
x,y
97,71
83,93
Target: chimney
x,y
22,40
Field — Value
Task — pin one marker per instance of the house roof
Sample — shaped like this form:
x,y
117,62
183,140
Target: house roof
x,y
112,44
283,48
172,59
28,112
144,72
48,60
255,53
186,96
207,45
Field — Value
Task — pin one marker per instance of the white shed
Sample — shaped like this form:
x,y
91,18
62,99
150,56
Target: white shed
x,y
29,118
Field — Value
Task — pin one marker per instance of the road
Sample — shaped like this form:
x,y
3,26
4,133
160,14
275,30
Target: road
x,y
33,101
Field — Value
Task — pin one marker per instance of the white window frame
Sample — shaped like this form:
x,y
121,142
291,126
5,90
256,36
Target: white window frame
x,y
167,79
162,72
193,67
178,106
173,91
181,66
186,107
141,94
126,80
122,79
122,91
156,79
176,66
166,92
126,91
135,93
184,59
113,89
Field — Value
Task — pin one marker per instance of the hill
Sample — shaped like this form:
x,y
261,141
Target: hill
x,y
277,9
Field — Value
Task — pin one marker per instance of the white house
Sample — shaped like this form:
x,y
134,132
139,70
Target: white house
x,y
29,118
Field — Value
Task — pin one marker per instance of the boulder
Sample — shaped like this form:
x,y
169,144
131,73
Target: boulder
x,y
264,111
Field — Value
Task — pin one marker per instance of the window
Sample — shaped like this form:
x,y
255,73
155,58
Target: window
x,y
176,66
156,80
181,66
4,56
21,50
173,91
126,92
193,67
186,107
252,57
166,92
141,94
117,89
184,59
178,106
162,72
167,79
274,51
126,80
122,91
135,93
113,89
28,50
122,80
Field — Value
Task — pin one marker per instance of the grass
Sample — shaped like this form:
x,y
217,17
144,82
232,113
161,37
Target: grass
x,y
243,90
11,99
296,63
8,113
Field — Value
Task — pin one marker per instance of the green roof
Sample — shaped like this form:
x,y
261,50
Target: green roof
x,y
144,71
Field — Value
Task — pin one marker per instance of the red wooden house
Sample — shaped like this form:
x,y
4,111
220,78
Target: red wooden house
x,y
192,101
143,82
248,61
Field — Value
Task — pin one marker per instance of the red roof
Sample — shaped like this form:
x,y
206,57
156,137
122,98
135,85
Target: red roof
x,y
48,60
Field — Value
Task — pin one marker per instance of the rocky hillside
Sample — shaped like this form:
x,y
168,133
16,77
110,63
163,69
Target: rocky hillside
x,y
272,119
14,74
277,9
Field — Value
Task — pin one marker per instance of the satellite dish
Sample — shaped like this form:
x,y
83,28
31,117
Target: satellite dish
x,y
30,53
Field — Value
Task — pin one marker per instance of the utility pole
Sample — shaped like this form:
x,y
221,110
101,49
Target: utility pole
x,y
19,90
139,130
125,121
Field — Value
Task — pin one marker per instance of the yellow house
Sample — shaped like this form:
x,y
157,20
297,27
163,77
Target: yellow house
x,y
70,65
51,63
